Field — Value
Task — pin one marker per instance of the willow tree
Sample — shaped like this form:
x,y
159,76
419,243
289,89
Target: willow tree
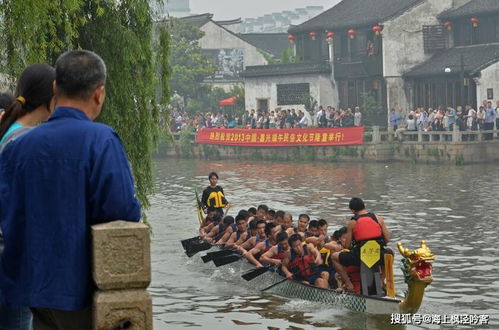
x,y
121,32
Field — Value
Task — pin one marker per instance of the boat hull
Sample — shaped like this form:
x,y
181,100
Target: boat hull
x,y
354,302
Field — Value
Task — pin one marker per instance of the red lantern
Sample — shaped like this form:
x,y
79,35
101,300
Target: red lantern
x,y
448,25
352,33
377,29
291,39
313,35
474,21
330,36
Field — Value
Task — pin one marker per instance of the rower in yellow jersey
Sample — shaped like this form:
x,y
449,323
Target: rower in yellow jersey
x,y
213,195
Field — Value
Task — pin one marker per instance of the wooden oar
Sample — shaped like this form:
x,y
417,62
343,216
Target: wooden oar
x,y
390,284
256,272
226,259
217,254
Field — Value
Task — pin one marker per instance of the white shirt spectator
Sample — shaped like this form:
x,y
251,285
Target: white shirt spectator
x,y
357,118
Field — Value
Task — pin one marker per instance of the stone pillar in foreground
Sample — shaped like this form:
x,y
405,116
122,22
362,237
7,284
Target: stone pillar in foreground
x,y
122,271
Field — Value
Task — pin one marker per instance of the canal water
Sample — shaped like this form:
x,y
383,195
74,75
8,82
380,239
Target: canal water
x,y
455,209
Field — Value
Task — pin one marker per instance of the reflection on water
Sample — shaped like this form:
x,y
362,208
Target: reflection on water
x,y
453,208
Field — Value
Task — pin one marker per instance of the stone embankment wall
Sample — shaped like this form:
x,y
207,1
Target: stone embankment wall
x,y
456,147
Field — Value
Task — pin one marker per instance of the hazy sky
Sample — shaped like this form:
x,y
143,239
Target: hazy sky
x,y
229,9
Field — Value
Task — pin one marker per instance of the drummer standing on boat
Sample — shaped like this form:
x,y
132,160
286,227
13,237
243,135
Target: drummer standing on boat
x,y
363,226
213,195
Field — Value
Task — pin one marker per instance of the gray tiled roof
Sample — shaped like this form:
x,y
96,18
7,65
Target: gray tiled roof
x,y
273,43
355,13
198,20
474,7
475,58
287,69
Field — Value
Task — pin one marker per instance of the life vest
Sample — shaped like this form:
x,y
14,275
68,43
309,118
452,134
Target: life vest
x,y
301,265
366,227
325,254
216,197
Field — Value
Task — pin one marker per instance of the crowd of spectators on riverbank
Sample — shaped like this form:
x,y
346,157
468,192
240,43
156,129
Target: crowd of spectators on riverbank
x,y
278,119
446,119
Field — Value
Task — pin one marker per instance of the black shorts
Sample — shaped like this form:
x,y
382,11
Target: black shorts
x,y
350,258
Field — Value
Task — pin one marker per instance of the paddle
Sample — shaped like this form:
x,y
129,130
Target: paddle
x,y
199,207
390,285
217,254
186,243
226,259
256,272
198,248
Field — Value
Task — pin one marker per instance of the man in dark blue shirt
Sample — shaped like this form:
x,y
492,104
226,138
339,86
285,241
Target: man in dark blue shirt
x,y
55,182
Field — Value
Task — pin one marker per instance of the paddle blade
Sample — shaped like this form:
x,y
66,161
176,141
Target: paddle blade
x,y
390,283
217,254
226,260
198,248
186,243
255,273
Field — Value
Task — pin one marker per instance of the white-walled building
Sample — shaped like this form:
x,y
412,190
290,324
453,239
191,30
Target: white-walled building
x,y
231,52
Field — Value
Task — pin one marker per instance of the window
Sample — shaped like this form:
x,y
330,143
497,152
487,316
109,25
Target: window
x,y
288,94
434,38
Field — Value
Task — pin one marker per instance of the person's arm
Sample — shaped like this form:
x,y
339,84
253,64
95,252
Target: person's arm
x,y
250,255
386,233
315,253
241,239
213,232
230,242
204,200
333,246
247,245
111,188
348,237
285,265
225,237
204,230
269,257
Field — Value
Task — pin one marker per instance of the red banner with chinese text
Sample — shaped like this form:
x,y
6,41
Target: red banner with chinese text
x,y
282,137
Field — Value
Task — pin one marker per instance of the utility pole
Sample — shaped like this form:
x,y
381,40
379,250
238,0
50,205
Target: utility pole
x,y
462,82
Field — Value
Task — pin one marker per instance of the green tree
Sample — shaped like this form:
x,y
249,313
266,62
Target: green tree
x,y
373,112
121,32
288,56
189,65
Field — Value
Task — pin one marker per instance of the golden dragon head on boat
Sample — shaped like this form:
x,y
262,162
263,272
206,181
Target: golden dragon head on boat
x,y
417,263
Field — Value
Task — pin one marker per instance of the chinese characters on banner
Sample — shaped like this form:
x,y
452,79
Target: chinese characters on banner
x,y
281,137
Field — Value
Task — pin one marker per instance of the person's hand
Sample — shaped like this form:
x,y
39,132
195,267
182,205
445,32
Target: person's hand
x,y
277,262
289,276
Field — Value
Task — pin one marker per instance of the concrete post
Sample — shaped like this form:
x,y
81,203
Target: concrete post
x,y
456,135
122,271
390,133
376,135
420,136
